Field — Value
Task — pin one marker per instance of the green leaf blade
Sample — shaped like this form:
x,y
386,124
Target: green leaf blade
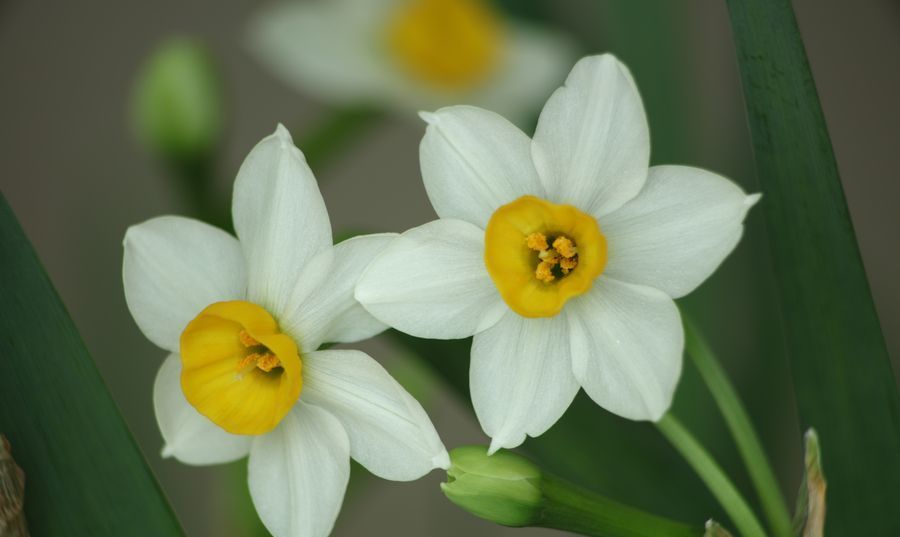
x,y
84,474
841,369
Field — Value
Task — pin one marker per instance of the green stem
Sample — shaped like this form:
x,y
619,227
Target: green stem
x,y
712,475
322,142
742,431
568,507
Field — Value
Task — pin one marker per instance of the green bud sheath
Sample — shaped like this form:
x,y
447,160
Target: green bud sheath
x,y
177,106
502,488
509,489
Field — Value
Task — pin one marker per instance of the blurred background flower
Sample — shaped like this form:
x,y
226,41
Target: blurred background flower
x,y
410,55
76,178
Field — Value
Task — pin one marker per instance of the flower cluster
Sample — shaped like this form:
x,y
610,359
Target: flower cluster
x,y
562,254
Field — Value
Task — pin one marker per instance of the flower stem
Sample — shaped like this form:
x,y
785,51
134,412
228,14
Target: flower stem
x,y
571,508
712,475
509,489
725,396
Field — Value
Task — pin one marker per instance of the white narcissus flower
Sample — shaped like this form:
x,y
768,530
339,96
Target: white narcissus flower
x,y
561,254
243,319
410,54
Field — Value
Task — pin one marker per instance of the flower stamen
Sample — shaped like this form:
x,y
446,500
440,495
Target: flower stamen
x,y
260,356
557,260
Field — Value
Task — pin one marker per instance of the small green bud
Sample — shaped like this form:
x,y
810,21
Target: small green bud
x,y
177,102
503,487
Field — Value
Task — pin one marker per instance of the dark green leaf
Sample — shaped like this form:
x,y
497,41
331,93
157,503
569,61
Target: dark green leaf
x,y
841,371
85,477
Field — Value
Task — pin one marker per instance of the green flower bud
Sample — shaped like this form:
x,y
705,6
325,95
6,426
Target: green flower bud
x,y
503,488
177,102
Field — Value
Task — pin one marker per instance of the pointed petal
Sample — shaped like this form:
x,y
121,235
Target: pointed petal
x,y
592,143
190,437
473,161
390,434
280,218
431,282
677,231
521,377
627,343
172,269
298,473
330,314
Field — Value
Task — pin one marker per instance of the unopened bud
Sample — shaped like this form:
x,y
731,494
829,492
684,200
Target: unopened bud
x,y
503,488
177,102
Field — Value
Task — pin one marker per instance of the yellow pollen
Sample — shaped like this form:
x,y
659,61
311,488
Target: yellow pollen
x,y
449,44
564,246
544,272
247,340
540,254
263,360
568,263
536,241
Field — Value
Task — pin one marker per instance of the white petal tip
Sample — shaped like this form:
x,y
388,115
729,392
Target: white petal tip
x,y
282,132
751,200
428,117
441,460
167,451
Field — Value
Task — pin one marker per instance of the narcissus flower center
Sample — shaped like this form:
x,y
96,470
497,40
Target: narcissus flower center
x,y
540,254
450,44
238,369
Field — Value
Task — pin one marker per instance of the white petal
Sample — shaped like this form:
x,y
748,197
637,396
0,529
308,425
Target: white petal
x,y
330,313
535,63
473,161
592,143
280,218
190,437
627,343
390,434
173,268
431,282
521,377
677,231
298,473
322,47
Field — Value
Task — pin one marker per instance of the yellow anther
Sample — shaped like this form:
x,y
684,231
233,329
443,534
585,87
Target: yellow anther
x,y
568,263
266,361
536,241
564,246
544,272
550,256
246,339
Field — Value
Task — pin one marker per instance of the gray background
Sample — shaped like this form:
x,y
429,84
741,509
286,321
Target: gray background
x,y
76,179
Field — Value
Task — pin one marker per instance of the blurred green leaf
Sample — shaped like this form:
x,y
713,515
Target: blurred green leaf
x,y
841,370
85,476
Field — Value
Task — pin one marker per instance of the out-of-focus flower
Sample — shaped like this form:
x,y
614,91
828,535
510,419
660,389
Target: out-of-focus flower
x,y
561,254
243,319
177,103
410,54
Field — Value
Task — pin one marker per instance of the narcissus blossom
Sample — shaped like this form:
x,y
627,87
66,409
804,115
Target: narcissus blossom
x,y
561,254
243,319
409,54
